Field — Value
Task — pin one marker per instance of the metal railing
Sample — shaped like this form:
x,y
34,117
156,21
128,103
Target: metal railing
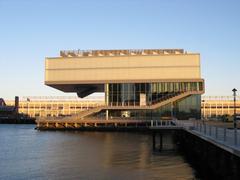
x,y
162,123
222,135
227,136
118,52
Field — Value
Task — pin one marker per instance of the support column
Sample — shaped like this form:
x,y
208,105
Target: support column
x,y
153,140
75,125
160,141
172,115
106,114
204,109
107,98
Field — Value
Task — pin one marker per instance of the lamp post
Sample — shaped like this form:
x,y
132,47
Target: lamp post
x,y
234,116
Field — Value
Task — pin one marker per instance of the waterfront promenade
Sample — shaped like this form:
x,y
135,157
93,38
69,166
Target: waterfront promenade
x,y
213,150
225,138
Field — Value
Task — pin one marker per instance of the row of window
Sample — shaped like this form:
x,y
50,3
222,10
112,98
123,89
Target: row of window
x,y
219,107
149,93
158,87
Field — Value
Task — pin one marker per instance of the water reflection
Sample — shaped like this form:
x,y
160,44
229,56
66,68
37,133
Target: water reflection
x,y
30,154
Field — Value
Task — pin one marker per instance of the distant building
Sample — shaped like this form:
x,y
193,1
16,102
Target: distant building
x,y
6,110
41,106
211,106
9,111
216,106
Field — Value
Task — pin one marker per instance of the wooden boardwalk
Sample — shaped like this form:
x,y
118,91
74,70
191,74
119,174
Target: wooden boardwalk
x,y
75,124
69,123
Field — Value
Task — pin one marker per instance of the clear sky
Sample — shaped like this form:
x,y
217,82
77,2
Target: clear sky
x,y
31,30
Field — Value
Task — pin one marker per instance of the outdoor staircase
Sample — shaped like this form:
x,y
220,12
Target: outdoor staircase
x,y
83,114
166,100
161,102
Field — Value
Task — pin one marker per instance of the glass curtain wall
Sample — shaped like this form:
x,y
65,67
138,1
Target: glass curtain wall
x,y
183,109
131,94
136,94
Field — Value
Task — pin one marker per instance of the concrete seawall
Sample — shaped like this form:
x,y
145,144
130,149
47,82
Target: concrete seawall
x,y
211,161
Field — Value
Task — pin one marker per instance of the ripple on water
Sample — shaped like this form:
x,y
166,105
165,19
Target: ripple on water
x,y
30,154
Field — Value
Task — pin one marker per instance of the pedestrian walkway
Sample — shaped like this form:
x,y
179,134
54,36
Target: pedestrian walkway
x,y
223,137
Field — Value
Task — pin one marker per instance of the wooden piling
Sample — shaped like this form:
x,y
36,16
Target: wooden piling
x,y
153,140
160,142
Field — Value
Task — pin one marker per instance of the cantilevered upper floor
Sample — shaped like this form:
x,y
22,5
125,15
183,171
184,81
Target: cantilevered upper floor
x,y
86,72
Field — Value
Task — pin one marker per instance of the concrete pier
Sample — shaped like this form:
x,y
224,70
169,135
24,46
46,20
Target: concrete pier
x,y
160,141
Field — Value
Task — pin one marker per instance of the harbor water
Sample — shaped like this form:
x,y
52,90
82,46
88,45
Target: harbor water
x,y
26,153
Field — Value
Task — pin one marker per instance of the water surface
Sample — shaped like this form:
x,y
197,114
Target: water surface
x,y
26,153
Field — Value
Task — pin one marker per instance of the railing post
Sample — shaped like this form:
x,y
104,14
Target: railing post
x,y
235,136
160,142
224,134
210,130
216,133
151,123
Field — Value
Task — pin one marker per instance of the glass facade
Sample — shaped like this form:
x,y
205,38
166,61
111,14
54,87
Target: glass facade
x,y
130,94
147,94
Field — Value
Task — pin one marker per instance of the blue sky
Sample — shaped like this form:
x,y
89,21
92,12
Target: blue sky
x,y
30,30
